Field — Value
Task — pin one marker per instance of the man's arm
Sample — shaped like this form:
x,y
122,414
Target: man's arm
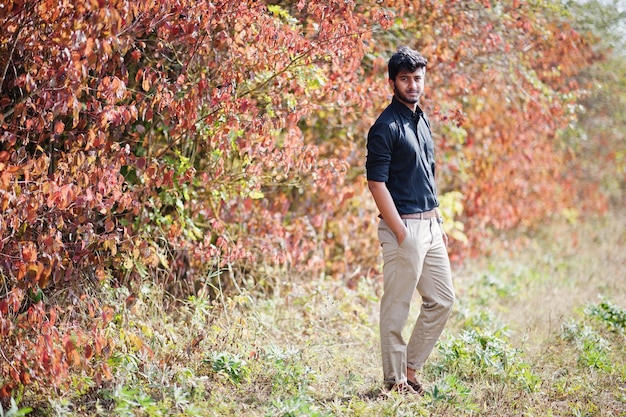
x,y
387,208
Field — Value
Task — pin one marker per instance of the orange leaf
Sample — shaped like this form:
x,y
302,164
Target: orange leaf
x,y
7,390
29,252
4,203
109,226
106,371
100,274
59,127
75,357
99,342
53,316
25,378
145,84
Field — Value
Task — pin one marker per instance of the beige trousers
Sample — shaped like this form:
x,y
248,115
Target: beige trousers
x,y
421,262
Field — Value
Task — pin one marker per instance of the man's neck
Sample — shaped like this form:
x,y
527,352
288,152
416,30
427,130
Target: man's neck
x,y
412,107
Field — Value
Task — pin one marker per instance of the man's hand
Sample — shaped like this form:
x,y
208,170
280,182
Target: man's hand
x,y
401,234
387,209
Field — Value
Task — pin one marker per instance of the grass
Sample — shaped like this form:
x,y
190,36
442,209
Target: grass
x,y
535,332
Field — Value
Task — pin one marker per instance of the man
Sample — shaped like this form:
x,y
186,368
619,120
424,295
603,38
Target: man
x,y
400,169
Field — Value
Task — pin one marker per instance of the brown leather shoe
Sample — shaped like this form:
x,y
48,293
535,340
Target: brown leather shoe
x,y
402,388
416,386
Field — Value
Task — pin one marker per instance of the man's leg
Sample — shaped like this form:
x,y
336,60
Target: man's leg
x,y
401,269
435,287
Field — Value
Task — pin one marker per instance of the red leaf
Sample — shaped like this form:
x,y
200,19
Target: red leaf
x,y
88,352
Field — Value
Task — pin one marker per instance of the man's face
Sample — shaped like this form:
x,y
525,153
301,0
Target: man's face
x,y
408,87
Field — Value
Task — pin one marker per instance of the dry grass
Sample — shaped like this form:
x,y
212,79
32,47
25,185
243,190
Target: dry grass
x,y
563,270
312,349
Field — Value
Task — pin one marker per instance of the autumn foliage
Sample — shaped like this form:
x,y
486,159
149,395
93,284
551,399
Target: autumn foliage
x,y
176,140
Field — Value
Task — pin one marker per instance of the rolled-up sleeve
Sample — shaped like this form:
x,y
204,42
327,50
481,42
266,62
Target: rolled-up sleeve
x,y
379,149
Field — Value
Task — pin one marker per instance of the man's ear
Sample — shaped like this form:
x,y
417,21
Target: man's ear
x,y
392,84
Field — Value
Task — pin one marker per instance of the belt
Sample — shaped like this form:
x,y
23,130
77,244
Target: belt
x,y
432,214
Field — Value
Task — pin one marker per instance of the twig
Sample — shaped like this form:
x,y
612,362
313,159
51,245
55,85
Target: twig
x,y
7,361
6,66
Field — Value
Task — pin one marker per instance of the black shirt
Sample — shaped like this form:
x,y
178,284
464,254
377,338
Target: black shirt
x,y
401,153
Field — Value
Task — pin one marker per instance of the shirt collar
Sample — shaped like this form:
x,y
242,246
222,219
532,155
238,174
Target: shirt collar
x,y
404,110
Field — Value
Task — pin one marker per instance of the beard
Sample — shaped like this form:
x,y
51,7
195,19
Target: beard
x,y
405,98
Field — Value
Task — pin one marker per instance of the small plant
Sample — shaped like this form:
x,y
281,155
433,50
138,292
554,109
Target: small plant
x,y
183,401
60,406
13,410
609,314
299,406
593,349
453,391
129,400
232,366
482,350
289,370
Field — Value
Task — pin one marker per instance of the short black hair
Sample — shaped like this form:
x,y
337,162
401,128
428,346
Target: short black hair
x,y
405,59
